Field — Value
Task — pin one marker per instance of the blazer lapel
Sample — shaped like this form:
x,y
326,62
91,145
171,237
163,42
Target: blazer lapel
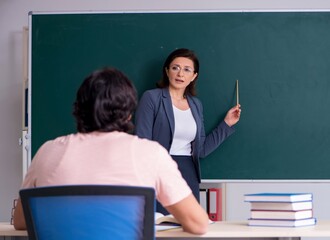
x,y
195,145
196,115
167,103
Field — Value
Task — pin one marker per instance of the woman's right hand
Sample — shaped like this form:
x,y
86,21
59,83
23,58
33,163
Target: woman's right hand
x,y
233,115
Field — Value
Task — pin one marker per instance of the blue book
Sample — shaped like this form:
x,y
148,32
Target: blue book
x,y
278,197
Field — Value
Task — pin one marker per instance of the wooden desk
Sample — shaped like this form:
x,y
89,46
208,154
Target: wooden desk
x,y
239,230
223,230
8,230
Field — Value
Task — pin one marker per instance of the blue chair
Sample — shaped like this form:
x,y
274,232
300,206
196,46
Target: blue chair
x,y
89,212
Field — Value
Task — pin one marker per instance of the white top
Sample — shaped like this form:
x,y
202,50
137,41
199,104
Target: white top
x,y
184,132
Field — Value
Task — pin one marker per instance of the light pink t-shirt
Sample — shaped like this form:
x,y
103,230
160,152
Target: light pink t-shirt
x,y
107,158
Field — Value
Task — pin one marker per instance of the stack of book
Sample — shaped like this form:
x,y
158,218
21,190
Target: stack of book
x,y
281,209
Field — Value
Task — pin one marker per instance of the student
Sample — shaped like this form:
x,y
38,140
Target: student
x,y
173,116
103,152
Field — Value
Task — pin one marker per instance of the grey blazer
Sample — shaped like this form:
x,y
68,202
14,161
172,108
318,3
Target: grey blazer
x,y
154,120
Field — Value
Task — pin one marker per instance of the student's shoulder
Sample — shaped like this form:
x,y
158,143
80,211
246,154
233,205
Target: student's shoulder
x,y
57,141
52,144
144,144
144,141
63,139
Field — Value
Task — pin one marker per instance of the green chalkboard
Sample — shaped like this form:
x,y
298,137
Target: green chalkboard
x,y
281,59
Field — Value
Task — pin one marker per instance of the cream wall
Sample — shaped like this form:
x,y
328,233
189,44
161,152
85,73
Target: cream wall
x,y
14,15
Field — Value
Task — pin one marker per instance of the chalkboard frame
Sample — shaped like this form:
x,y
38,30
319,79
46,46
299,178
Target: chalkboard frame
x,y
227,100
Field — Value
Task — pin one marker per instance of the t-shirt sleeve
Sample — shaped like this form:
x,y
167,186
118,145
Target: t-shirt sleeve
x,y
170,186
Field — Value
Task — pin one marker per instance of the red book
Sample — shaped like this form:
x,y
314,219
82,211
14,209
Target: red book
x,y
215,204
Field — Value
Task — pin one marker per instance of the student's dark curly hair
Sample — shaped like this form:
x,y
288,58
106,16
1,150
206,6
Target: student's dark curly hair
x,y
181,52
105,102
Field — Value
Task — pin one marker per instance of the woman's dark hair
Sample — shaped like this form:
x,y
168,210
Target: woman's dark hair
x,y
181,52
104,102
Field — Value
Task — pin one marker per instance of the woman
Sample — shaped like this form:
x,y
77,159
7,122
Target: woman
x,y
173,116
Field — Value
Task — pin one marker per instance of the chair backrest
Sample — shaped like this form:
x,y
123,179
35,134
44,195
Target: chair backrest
x,y
89,212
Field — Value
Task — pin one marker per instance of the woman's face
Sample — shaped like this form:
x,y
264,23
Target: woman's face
x,y
181,73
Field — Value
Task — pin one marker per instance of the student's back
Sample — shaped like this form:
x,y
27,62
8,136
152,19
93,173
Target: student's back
x,y
107,158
